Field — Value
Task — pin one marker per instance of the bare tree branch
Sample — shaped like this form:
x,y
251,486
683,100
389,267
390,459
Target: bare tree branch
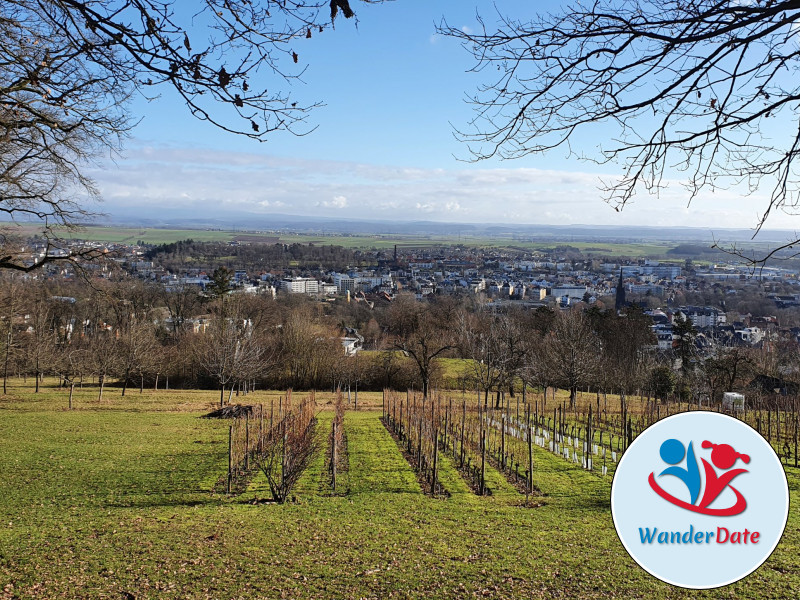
x,y
68,69
702,87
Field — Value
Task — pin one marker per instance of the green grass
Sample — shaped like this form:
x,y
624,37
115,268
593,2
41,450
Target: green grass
x,y
130,235
126,235
114,499
595,249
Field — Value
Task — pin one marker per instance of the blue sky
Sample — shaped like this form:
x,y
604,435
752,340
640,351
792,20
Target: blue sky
x,y
383,147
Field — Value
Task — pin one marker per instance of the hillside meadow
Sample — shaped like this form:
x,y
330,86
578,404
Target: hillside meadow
x,y
116,499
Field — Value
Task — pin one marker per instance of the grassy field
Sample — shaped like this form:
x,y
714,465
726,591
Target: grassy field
x,y
592,249
113,500
131,235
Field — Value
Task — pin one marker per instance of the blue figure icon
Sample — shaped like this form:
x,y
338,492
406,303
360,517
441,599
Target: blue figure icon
x,y
672,452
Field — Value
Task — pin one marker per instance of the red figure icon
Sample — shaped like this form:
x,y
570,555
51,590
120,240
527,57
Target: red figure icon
x,y
724,457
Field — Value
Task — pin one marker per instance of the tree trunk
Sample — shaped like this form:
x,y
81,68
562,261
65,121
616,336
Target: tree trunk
x,y
222,395
9,339
102,384
71,389
125,383
141,384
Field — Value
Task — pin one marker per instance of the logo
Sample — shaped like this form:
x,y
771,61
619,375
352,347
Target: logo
x,y
699,500
723,457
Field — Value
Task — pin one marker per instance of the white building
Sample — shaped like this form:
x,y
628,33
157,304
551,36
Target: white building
x,y
574,292
345,283
300,285
329,289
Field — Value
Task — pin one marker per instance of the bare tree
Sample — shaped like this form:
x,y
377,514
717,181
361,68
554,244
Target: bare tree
x,y
102,357
138,348
69,365
310,351
68,69
423,332
626,341
181,301
536,368
39,341
496,348
573,351
701,86
726,368
478,341
227,350
512,335
10,304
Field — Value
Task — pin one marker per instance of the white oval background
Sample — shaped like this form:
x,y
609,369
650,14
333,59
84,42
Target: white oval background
x,y
700,566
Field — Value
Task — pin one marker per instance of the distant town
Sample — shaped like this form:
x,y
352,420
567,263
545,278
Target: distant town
x,y
729,303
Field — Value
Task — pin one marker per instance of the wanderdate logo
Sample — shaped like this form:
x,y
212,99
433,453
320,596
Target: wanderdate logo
x,y
723,457
699,500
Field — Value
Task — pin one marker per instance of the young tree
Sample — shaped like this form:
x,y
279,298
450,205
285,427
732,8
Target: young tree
x,y
10,304
220,284
288,450
226,350
684,335
138,352
662,381
39,343
102,357
701,85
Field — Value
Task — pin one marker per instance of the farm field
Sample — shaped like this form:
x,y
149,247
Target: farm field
x,y
114,500
131,235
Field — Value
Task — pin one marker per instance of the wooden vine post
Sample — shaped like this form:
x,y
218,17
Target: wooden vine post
x,y
530,459
230,458
334,457
463,423
482,486
503,442
246,441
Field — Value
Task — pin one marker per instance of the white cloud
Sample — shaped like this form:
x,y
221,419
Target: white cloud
x,y
337,202
202,182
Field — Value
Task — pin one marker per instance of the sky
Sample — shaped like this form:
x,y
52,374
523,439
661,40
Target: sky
x,y
383,145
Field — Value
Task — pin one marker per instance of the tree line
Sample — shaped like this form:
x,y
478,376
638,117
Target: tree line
x,y
186,254
131,333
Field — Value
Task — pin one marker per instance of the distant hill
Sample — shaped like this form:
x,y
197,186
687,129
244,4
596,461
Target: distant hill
x,y
247,221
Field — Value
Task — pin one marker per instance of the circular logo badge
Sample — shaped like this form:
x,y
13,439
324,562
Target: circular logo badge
x,y
699,500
